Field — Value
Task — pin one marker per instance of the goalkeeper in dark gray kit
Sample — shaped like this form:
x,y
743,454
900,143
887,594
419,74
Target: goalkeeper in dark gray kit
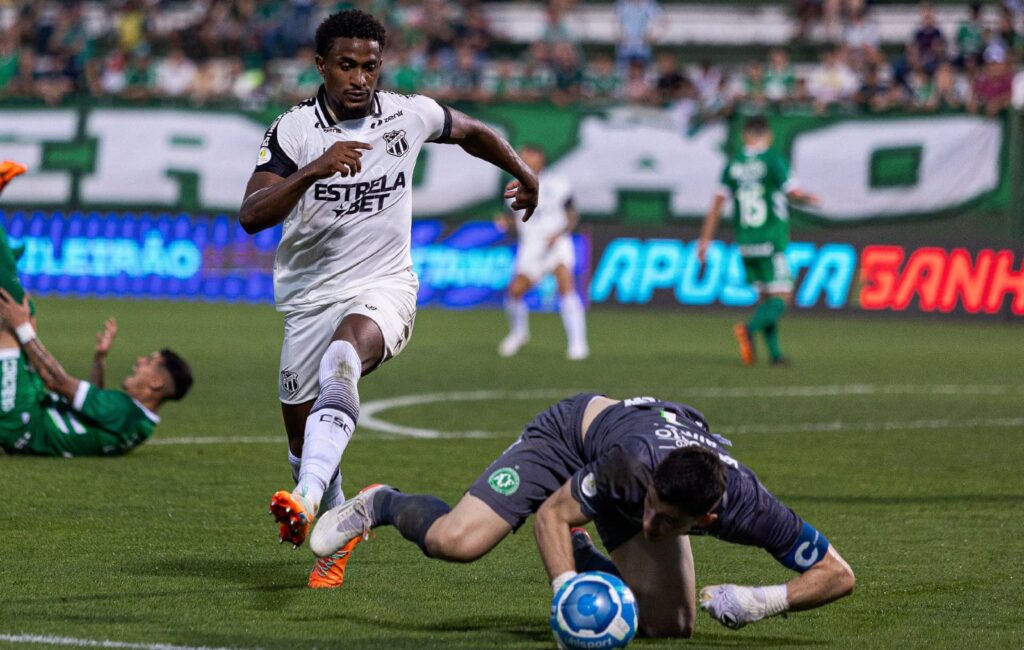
x,y
648,473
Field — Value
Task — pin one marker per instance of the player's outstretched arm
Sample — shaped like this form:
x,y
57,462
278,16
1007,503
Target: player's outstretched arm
x,y
269,198
555,520
104,341
803,198
481,141
17,317
710,225
828,580
735,606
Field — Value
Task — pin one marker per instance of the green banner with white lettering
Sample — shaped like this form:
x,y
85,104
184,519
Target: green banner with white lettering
x,y
626,165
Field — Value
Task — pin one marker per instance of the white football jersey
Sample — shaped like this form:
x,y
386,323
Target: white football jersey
x,y
346,232
550,216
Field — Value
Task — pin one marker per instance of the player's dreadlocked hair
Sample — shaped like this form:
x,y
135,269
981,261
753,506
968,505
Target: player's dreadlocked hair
x,y
692,479
349,24
180,372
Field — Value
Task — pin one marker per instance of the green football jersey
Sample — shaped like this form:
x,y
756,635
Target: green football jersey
x,y
98,422
758,180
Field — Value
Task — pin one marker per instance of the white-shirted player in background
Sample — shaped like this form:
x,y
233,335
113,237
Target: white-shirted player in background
x,y
545,246
337,170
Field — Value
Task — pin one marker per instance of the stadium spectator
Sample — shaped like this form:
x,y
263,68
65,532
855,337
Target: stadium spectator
x,y
861,40
639,25
873,96
928,40
779,78
602,80
992,88
670,78
568,73
833,83
637,87
175,74
970,38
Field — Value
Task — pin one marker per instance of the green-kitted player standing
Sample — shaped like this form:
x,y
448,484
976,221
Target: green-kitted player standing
x,y
760,184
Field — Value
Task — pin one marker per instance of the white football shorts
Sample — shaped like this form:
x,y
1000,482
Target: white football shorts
x,y
535,259
391,304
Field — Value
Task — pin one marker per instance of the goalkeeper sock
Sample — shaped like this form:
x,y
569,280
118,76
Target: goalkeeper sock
x,y
412,515
332,420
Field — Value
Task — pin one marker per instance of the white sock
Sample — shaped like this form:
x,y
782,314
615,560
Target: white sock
x,y
332,421
574,319
333,495
518,317
296,464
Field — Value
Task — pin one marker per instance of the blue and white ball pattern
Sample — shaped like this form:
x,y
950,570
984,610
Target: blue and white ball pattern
x,y
593,610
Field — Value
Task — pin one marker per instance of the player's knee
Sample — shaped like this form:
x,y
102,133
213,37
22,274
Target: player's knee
x,y
453,541
341,360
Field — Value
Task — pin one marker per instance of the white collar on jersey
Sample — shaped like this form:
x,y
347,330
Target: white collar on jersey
x,y
327,116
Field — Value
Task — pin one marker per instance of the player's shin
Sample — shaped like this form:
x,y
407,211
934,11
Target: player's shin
x,y
412,515
575,323
518,317
331,421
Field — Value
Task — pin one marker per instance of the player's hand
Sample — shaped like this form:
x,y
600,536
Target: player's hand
x,y
105,338
812,200
702,250
524,196
11,312
553,239
341,158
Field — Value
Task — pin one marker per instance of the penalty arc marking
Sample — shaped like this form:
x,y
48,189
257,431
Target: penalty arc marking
x,y
371,413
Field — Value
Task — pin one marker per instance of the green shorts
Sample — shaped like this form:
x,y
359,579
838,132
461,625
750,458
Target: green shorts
x,y
769,274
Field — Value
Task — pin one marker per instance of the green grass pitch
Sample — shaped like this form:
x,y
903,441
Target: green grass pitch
x,y
901,440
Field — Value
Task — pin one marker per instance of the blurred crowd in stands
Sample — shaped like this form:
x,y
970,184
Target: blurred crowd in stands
x,y
259,52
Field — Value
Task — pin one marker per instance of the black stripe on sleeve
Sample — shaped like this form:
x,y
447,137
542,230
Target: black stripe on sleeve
x,y
446,130
279,162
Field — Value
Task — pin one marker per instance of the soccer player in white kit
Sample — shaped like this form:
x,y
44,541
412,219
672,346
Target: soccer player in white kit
x,y
545,246
337,170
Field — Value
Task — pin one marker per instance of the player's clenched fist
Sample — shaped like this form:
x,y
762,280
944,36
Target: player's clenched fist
x,y
341,158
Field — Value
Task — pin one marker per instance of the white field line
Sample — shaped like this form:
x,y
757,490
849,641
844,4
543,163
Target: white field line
x,y
38,639
370,411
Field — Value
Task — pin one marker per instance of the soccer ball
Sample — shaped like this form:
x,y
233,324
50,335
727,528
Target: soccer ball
x,y
593,610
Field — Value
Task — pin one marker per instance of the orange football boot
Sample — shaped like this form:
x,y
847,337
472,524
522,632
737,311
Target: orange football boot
x,y
294,514
329,572
742,335
8,170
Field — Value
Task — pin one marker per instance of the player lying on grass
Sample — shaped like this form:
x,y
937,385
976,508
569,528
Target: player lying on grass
x,y
46,411
648,473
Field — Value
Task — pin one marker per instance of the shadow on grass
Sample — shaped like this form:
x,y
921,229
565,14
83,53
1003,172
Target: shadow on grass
x,y
523,628
921,499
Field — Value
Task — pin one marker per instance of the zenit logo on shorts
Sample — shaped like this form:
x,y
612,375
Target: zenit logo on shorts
x,y
349,231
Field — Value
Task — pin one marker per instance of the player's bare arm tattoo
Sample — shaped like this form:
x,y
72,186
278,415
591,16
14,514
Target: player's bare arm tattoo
x,y
97,372
49,369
